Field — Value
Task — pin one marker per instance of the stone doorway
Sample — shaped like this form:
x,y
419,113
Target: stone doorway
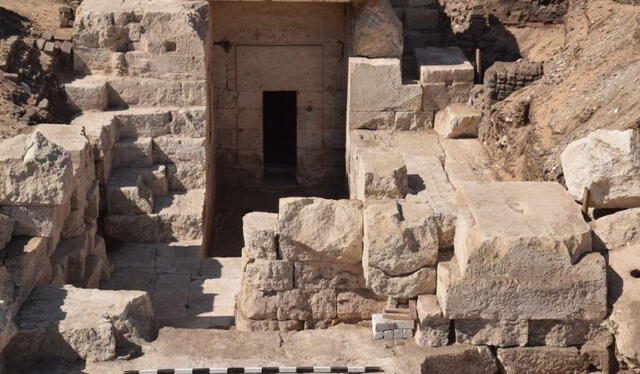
x,y
280,132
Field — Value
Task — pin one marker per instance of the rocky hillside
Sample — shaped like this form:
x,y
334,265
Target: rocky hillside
x,y
592,74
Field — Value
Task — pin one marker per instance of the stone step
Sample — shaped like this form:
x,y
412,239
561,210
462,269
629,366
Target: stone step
x,y
158,121
134,190
87,94
133,152
67,323
177,216
155,178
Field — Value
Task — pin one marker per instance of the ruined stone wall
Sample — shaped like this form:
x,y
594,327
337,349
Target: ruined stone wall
x,y
280,47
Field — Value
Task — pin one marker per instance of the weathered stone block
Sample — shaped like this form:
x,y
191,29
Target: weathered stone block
x,y
44,221
382,174
617,231
87,94
376,85
433,328
49,177
324,275
27,263
444,65
313,228
567,333
542,360
502,333
171,149
438,96
260,232
371,120
509,234
185,176
269,275
130,152
399,237
420,282
358,305
457,121
59,323
607,162
459,359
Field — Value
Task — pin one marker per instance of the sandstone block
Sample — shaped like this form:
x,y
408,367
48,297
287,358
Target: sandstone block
x,y
399,237
382,174
376,85
420,282
312,228
509,234
433,328
624,295
316,275
377,31
444,65
87,94
502,333
607,162
6,230
59,323
457,121
542,360
257,305
260,232
269,275
49,177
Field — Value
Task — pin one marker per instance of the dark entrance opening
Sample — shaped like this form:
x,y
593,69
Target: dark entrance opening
x,y
280,125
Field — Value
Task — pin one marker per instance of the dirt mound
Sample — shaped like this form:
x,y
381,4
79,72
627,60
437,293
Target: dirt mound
x,y
592,74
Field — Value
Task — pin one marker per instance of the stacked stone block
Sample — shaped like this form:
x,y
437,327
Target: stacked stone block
x,y
391,329
503,78
303,267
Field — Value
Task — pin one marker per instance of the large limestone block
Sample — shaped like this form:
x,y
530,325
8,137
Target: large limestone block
x,y
260,235
577,292
358,305
35,171
6,230
314,228
377,31
133,152
185,176
72,140
44,221
617,231
568,333
509,234
444,65
607,162
542,360
382,174
624,296
322,275
457,359
70,323
511,227
399,237
174,149
28,264
458,121
502,333
411,285
376,85
102,130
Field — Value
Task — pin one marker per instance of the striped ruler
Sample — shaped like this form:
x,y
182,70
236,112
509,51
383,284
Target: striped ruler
x,y
275,369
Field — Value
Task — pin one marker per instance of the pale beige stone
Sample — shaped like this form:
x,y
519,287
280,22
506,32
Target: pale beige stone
x,y
269,275
377,31
433,328
399,237
443,65
174,149
312,227
509,234
457,121
607,162
568,333
28,264
458,359
87,94
422,281
358,305
37,171
624,296
260,235
617,231
133,152
382,174
502,333
94,331
320,275
542,360
185,176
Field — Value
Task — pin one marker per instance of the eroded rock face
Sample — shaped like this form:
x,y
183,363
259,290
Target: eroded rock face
x,y
35,171
377,31
310,228
607,162
60,323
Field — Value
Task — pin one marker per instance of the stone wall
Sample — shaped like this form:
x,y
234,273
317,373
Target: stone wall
x,y
297,47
